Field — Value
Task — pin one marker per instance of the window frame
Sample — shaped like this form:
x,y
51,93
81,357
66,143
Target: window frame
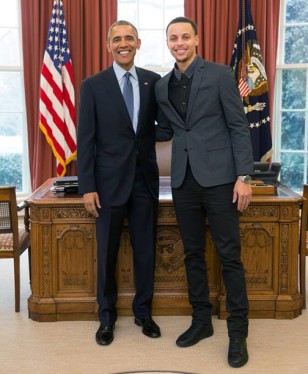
x,y
18,68
161,69
281,66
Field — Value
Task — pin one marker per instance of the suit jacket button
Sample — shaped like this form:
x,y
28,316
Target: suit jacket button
x,y
187,130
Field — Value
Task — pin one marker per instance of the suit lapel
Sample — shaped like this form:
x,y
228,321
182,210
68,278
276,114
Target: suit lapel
x,y
143,93
197,78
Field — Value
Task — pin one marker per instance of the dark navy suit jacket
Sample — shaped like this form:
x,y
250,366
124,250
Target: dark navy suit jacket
x,y
107,146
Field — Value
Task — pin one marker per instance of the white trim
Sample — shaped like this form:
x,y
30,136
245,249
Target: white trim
x,y
292,66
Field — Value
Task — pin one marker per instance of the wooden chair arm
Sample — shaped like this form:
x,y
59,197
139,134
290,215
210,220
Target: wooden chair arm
x,y
23,205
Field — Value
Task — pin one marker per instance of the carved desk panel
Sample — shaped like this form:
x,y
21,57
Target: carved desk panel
x,y
64,259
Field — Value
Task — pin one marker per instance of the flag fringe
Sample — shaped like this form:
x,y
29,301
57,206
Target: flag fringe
x,y
61,161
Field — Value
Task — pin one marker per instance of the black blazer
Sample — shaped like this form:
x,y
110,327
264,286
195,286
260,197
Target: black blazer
x,y
107,146
215,135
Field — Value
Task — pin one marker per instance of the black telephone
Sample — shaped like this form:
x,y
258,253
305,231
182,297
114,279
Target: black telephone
x,y
266,172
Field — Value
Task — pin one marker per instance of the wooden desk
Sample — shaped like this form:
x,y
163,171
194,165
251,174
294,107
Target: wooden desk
x,y
64,259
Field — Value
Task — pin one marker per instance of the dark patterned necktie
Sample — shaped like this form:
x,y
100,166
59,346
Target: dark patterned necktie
x,y
128,95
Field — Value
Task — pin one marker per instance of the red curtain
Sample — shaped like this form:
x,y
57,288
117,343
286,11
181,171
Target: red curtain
x,y
217,22
87,24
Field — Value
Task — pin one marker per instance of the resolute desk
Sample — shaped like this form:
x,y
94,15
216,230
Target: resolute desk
x,y
63,249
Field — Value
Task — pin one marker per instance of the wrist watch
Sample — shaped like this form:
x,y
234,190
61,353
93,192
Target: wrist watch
x,y
244,178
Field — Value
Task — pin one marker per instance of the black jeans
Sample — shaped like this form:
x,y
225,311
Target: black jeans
x,y
193,203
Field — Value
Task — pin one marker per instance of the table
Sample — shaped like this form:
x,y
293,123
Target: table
x,y
63,260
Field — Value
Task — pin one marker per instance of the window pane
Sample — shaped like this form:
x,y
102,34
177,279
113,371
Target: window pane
x,y
11,170
150,53
291,91
151,14
173,8
296,11
14,163
151,18
11,150
9,47
11,132
9,13
127,10
10,91
296,45
293,131
292,170
294,89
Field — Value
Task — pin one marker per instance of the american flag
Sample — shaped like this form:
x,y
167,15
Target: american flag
x,y
250,74
243,87
57,96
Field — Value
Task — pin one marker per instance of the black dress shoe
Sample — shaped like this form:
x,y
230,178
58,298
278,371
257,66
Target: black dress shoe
x,y
149,327
237,354
104,334
194,334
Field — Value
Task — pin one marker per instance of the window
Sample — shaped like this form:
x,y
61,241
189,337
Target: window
x,y
14,167
153,54
291,94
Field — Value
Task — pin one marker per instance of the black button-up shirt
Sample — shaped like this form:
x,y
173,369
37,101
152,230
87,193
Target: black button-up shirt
x,y
179,88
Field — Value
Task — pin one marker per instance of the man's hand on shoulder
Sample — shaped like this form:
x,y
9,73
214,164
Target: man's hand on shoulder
x,y
91,203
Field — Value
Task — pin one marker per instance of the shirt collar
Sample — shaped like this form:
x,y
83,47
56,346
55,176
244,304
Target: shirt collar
x,y
119,72
188,72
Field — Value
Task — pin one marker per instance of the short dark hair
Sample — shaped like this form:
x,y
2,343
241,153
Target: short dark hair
x,y
121,23
184,20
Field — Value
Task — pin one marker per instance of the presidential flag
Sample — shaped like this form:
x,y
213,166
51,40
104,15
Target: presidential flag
x,y
250,74
57,96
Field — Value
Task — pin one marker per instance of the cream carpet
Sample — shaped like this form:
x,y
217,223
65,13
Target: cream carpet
x,y
28,347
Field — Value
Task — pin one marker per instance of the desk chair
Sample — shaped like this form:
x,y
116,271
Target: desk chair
x,y
13,241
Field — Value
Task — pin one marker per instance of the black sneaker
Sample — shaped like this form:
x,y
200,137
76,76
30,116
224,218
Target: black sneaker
x,y
194,334
237,354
